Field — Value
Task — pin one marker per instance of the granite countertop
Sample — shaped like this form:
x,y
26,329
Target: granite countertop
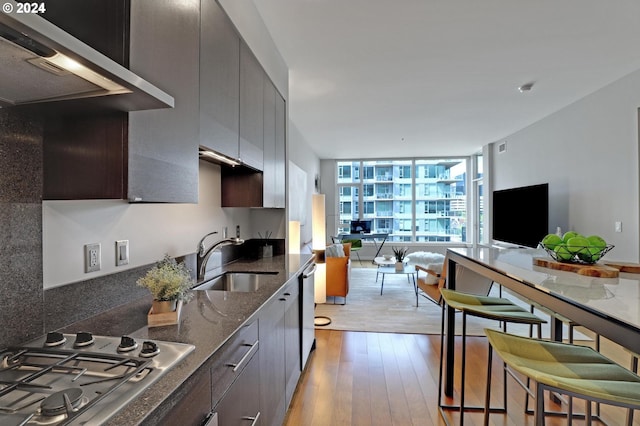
x,y
207,322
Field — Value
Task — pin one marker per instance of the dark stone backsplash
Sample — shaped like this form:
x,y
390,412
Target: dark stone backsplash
x,y
70,303
21,293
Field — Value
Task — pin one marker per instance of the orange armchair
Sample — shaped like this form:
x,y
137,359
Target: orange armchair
x,y
338,274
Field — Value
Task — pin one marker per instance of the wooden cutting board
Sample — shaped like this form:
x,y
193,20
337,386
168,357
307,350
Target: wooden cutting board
x,y
632,268
596,270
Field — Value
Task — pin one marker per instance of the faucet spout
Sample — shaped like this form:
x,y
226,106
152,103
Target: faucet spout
x,y
201,243
203,255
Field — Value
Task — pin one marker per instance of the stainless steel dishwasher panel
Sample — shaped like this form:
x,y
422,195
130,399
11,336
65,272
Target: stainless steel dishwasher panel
x,y
307,308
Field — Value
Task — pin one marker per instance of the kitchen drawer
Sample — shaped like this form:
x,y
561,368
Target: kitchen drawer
x,y
232,358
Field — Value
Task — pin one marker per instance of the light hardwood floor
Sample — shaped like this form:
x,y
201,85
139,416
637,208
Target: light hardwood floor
x,y
358,378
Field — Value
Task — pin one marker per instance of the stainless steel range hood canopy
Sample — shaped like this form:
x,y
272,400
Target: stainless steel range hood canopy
x,y
41,63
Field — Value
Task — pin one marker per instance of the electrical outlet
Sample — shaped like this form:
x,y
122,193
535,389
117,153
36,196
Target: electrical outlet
x,y
122,252
91,257
618,226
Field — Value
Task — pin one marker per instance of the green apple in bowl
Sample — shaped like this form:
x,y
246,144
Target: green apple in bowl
x,y
578,244
596,241
550,241
568,235
590,256
562,252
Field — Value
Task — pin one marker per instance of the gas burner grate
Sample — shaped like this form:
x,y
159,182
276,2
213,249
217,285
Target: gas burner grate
x,y
35,375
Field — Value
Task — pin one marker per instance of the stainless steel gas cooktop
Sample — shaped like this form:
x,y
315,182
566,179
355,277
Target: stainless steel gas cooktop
x,y
66,379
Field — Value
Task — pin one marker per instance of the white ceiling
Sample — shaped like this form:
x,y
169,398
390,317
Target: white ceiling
x,y
394,78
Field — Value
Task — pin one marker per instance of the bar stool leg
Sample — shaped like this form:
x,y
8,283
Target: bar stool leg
x,y
487,394
634,368
441,357
464,365
539,413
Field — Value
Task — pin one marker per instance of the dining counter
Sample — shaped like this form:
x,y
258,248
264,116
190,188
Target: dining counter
x,y
207,321
607,306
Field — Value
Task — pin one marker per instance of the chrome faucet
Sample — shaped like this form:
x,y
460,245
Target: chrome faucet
x,y
202,257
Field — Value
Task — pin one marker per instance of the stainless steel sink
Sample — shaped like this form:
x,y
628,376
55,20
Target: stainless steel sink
x,y
236,281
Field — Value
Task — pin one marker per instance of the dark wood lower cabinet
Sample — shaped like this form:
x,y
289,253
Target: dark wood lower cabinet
x,y
240,406
279,353
194,408
252,376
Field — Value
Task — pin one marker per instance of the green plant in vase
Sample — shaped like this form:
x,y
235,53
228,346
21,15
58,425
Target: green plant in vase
x,y
400,253
169,282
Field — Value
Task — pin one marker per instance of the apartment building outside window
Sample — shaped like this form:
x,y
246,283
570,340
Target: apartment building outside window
x,y
414,200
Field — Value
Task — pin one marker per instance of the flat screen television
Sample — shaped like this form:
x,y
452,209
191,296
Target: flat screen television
x,y
521,215
360,226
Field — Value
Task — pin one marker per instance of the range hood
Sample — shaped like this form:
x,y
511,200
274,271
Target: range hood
x,y
41,63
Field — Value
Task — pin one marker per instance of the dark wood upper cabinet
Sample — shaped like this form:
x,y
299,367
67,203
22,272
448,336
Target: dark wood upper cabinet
x,y
274,147
252,79
85,156
231,90
163,144
280,165
85,152
269,114
219,81
103,25
148,156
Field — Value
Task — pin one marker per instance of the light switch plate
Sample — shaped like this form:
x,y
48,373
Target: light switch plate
x,y
122,252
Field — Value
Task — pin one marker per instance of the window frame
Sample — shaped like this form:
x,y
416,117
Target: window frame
x,y
420,224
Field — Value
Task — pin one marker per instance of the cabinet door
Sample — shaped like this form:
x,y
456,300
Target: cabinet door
x,y
84,156
103,25
274,147
241,404
280,159
219,81
269,166
251,108
194,407
292,338
163,144
84,152
272,362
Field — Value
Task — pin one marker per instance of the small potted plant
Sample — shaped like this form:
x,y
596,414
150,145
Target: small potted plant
x,y
169,282
400,253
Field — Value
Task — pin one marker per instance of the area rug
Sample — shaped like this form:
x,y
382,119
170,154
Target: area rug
x,y
395,310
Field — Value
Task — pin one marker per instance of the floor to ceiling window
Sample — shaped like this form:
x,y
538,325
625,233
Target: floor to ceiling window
x,y
413,200
478,198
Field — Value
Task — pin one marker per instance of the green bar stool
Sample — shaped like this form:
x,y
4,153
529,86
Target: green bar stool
x,y
571,325
572,370
493,308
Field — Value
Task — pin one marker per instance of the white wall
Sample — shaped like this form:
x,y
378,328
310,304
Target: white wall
x,y
152,229
588,153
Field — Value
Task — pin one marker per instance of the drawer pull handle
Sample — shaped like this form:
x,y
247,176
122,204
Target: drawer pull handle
x,y
244,358
287,294
254,418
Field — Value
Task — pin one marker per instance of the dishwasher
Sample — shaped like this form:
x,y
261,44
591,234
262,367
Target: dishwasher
x,y
307,308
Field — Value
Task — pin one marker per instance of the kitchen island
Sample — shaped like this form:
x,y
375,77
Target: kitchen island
x,y
208,321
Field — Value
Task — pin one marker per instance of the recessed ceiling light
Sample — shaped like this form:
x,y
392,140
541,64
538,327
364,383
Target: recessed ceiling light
x,y
525,87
